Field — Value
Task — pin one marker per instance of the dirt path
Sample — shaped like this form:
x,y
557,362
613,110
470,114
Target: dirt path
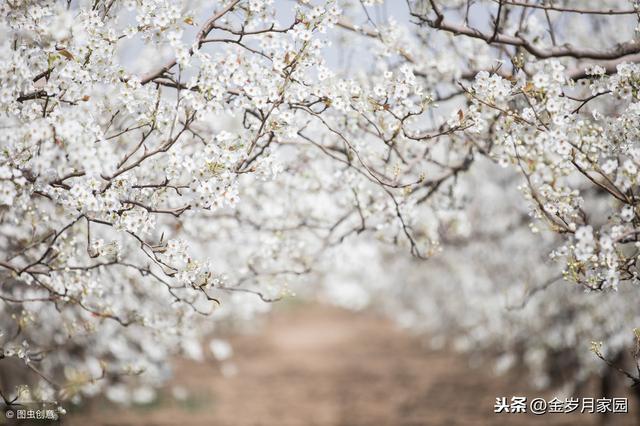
x,y
327,367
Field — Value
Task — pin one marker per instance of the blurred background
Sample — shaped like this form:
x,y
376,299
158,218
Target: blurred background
x,y
314,364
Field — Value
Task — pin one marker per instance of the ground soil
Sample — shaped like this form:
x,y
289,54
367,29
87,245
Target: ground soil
x,y
313,365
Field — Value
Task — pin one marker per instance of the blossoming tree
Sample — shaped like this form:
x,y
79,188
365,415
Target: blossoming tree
x,y
166,164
